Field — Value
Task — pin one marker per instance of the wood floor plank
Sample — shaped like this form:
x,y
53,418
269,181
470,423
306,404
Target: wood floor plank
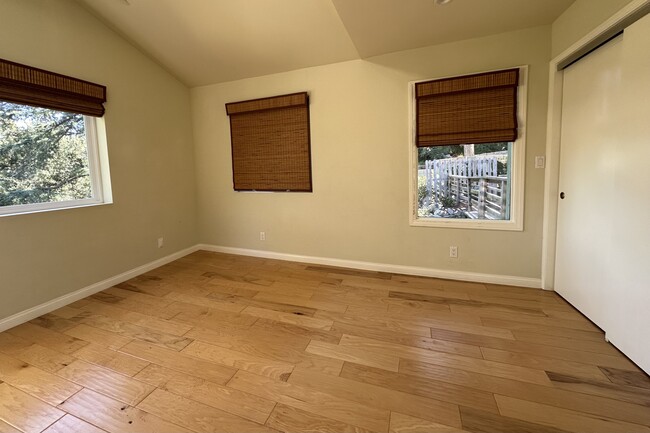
x,y
230,400
111,359
206,317
291,420
279,328
400,423
202,301
131,332
445,359
543,363
54,323
114,416
292,300
197,416
292,319
144,320
178,361
115,385
377,396
624,377
593,335
423,318
239,360
312,400
409,340
589,404
352,354
626,393
563,418
90,334
34,381
568,343
425,387
6,428
475,420
71,424
54,340
34,354
25,412
598,359
379,323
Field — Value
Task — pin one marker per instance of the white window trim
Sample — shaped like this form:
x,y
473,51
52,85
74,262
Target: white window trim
x,y
100,182
518,175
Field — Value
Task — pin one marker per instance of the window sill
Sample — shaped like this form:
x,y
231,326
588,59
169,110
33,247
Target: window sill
x,y
467,224
17,210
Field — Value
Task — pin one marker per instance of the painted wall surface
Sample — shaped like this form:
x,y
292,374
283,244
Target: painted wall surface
x,y
359,209
579,19
46,255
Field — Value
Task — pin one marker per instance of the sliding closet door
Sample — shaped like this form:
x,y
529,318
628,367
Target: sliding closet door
x,y
603,237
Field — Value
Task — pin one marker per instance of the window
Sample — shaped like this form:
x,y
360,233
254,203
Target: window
x,y
50,153
467,160
271,144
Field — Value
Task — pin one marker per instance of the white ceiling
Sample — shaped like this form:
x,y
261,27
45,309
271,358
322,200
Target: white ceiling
x,y
211,41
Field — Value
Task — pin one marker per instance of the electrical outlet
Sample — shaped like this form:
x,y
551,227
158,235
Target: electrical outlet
x,y
262,236
540,162
453,252
161,242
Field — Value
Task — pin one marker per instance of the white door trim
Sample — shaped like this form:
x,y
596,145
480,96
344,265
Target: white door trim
x,y
553,132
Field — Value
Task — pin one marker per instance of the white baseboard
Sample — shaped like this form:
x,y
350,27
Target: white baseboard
x,y
476,277
61,301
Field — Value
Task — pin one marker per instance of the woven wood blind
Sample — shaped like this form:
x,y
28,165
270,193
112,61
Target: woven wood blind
x,y
271,144
472,109
31,86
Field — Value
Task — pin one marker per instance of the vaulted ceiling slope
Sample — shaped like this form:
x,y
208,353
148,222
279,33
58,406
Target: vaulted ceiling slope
x,y
211,41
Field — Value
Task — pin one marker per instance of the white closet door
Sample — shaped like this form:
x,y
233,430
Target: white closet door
x,y
603,237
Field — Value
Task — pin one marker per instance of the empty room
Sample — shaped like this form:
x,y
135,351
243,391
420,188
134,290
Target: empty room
x,y
382,216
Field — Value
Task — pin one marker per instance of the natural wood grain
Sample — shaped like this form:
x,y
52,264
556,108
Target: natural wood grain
x,y
115,385
111,359
177,361
25,412
425,387
445,359
291,420
90,334
563,418
352,354
292,319
477,421
624,377
71,424
230,400
114,416
34,381
196,416
590,404
378,396
312,400
239,360
217,342
543,363
54,340
400,423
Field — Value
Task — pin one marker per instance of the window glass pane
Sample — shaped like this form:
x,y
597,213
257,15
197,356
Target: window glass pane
x,y
43,156
465,181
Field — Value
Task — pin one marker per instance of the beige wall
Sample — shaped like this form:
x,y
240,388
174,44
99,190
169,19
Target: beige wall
x,y
46,255
579,19
360,150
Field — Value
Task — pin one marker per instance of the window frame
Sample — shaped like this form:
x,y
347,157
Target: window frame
x,y
100,184
518,166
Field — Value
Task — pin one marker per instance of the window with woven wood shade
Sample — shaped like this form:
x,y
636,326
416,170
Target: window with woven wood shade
x,y
271,143
470,109
22,84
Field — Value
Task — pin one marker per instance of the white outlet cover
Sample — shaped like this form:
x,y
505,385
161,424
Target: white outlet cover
x,y
540,162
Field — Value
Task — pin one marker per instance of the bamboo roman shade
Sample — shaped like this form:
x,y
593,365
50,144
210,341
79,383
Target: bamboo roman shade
x,y
31,86
471,109
271,144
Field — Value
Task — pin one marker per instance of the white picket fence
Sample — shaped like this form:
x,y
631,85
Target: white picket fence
x,y
471,182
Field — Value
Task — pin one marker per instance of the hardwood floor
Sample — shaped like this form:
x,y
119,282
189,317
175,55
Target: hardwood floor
x,y
222,343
